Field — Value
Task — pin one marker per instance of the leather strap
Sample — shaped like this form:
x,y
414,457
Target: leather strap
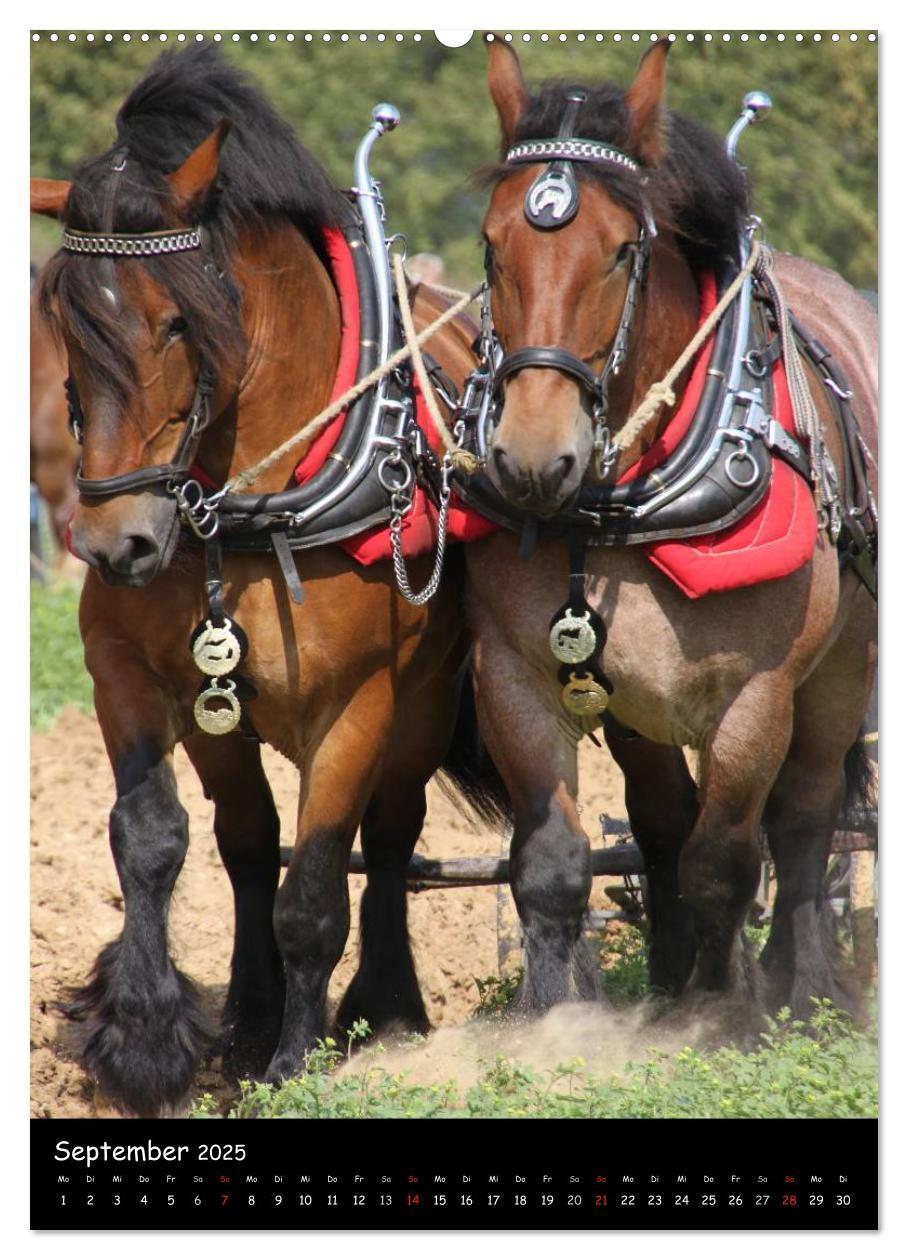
x,y
288,564
195,424
551,357
214,586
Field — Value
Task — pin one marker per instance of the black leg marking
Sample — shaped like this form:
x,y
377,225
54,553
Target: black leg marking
x,y
719,875
145,1029
385,991
551,880
662,808
247,829
311,924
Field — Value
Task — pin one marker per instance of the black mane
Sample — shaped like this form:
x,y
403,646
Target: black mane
x,y
264,173
696,191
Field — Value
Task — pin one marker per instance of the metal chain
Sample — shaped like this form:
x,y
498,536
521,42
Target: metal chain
x,y
401,505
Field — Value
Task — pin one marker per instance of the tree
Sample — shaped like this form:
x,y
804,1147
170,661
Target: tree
x,y
812,164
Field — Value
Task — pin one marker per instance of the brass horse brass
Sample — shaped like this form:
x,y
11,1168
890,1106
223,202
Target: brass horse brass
x,y
572,639
217,650
219,721
584,696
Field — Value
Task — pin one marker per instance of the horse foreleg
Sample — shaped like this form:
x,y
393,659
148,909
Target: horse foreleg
x,y
312,907
550,867
385,991
720,863
144,1027
801,956
247,829
662,807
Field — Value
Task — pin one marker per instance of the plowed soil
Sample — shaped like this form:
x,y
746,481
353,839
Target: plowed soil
x,y
76,906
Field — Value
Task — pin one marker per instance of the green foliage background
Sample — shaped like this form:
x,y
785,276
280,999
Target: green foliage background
x,y
813,163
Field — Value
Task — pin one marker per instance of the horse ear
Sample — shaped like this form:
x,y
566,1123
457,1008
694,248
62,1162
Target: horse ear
x,y
190,182
48,196
643,98
506,87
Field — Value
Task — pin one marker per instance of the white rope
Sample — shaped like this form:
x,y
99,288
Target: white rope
x,y
465,460
662,392
242,480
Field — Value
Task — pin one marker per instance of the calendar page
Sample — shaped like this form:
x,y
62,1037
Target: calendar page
x,y
453,629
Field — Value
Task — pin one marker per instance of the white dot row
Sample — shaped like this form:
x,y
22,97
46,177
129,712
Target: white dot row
x,y
543,37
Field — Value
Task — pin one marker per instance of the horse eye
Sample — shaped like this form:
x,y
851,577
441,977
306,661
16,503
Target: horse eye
x,y
623,253
177,326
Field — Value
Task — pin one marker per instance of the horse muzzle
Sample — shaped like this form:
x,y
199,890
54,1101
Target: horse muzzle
x,y
542,491
125,550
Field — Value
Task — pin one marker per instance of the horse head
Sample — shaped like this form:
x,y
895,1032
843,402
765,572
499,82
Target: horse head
x,y
561,263
126,320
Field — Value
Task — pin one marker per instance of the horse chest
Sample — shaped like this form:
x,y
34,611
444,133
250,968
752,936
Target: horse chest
x,y
653,693
663,689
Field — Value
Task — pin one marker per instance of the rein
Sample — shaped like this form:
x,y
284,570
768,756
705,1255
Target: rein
x,y
662,392
377,465
311,429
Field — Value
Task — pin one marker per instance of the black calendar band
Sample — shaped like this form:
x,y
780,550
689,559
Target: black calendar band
x,y
455,1174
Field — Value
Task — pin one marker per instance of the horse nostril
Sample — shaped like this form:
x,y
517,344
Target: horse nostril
x,y
133,550
557,473
508,472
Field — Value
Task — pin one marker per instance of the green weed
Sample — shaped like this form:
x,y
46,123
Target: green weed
x,y
58,675
825,1069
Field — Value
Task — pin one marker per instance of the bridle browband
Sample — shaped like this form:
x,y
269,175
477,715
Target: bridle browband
x,y
197,419
133,245
571,149
552,201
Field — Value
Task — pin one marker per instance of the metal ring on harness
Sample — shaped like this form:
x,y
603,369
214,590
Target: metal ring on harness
x,y
742,453
395,462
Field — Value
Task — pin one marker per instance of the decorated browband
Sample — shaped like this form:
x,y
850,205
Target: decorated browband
x,y
553,198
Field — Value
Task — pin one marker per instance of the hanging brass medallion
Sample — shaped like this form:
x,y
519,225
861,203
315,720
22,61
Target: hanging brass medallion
x,y
216,650
584,696
225,716
572,639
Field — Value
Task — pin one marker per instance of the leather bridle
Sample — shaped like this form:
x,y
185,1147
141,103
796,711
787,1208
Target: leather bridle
x,y
552,201
173,473
176,472
595,385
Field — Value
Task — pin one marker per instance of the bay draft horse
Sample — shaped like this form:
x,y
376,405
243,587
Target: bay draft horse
x,y
768,684
356,687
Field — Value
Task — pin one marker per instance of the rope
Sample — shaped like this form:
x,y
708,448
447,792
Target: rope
x,y
662,393
242,480
444,289
464,460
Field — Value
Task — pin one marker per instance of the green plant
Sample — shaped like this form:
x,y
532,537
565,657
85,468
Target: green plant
x,y
824,1068
58,674
496,993
625,973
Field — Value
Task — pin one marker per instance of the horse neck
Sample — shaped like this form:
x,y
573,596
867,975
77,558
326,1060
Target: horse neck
x,y
291,319
669,316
